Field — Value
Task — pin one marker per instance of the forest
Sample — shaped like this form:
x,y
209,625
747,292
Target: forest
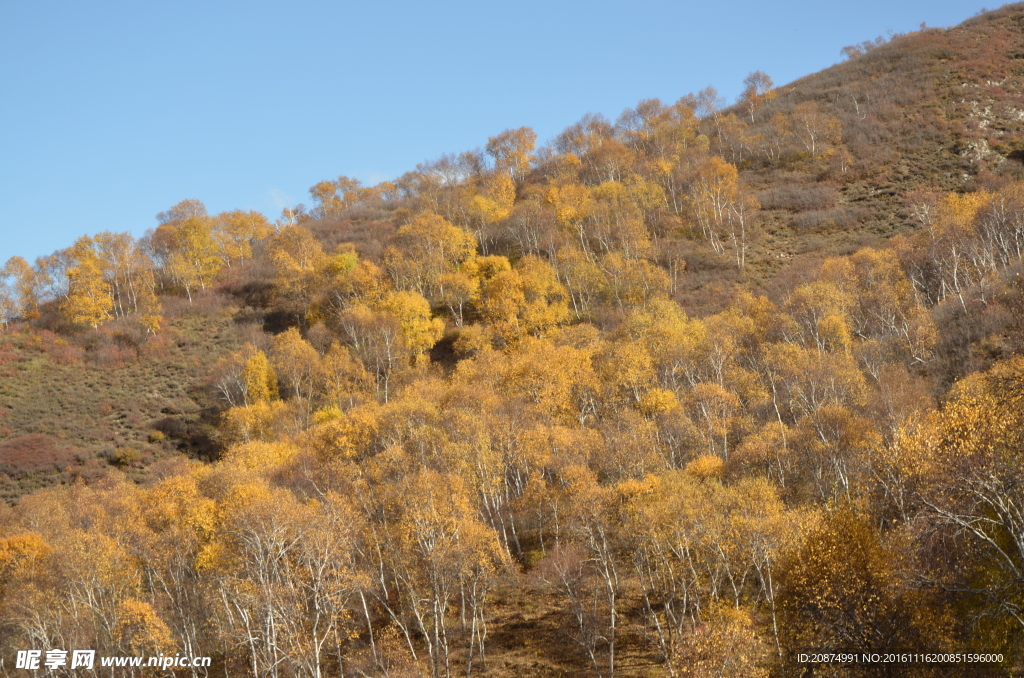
x,y
688,393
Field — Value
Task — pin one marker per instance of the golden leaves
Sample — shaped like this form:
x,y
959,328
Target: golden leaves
x,y
139,630
236,232
495,202
296,256
259,379
425,248
512,151
19,553
419,330
260,456
89,301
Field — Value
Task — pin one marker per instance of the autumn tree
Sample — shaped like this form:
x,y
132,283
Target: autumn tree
x,y
820,312
884,307
631,282
284,571
258,379
456,291
50,275
757,91
296,363
424,250
420,331
297,257
139,630
185,246
965,240
776,136
344,380
722,209
20,552
25,562
619,215
817,131
698,545
89,301
8,305
593,526
8,302
389,335
572,204
558,381
583,278
526,300
436,557
186,209
664,133
598,151
129,273
245,377
345,280
493,204
671,141
331,197
237,231
963,467
727,643
512,151
24,286
736,141
819,393
841,588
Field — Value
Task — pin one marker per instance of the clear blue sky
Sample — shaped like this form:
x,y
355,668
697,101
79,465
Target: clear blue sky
x,y
114,111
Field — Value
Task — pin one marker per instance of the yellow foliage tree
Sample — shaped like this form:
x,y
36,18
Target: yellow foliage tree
x,y
494,202
512,151
140,631
188,250
259,379
20,552
419,330
89,300
841,588
526,300
236,232
25,285
297,257
129,273
572,203
712,196
426,249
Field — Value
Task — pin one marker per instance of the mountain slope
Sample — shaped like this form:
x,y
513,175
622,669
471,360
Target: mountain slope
x,y
690,393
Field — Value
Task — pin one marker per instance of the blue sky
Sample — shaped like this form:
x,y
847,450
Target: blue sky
x,y
113,111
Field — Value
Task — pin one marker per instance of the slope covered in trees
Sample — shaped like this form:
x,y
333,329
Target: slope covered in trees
x,y
684,394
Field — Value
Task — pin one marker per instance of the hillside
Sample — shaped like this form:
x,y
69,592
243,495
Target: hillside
x,y
934,110
119,399
690,393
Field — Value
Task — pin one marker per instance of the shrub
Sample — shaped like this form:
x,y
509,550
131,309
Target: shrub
x,y
838,217
66,354
112,356
125,456
34,453
7,354
799,197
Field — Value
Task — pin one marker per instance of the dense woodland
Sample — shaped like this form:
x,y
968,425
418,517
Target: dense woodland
x,y
682,394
